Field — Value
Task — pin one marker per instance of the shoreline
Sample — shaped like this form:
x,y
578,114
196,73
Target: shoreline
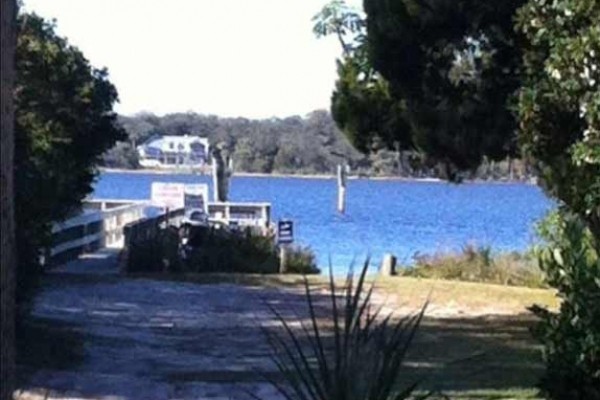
x,y
304,176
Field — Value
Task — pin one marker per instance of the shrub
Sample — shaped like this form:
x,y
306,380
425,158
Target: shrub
x,y
215,250
301,260
478,264
223,251
355,353
571,337
158,253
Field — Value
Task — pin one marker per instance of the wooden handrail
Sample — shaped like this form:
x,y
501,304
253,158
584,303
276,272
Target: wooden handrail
x,y
91,230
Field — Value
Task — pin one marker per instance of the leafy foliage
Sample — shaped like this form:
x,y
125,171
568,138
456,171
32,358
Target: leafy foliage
x,y
571,262
64,122
559,104
337,18
467,79
559,111
451,70
122,155
363,359
301,260
361,103
365,111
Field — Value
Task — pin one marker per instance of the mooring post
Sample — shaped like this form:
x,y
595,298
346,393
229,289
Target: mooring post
x,y
167,211
388,265
341,184
217,166
222,171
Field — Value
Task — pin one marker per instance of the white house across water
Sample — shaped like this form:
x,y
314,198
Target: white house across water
x,y
174,152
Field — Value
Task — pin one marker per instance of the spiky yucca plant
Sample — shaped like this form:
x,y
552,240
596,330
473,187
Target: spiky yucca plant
x,y
356,353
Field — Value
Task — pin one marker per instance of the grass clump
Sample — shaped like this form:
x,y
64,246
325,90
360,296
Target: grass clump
x,y
349,351
479,264
301,260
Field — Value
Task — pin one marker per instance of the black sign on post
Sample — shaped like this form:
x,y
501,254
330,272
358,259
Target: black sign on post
x,y
285,232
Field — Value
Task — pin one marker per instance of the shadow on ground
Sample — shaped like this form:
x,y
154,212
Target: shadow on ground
x,y
103,336
44,343
491,352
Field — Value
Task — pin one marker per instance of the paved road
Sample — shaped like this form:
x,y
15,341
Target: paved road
x,y
145,339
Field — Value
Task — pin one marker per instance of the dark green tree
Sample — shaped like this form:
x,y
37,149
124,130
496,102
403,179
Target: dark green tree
x,y
455,68
559,113
361,104
559,103
365,111
64,122
8,30
473,86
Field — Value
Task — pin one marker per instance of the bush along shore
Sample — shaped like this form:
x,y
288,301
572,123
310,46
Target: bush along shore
x,y
479,264
215,250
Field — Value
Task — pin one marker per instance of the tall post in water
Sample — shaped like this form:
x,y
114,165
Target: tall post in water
x,y
218,168
221,172
341,184
228,174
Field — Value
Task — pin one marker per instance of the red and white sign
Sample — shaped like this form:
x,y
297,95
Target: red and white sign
x,y
168,195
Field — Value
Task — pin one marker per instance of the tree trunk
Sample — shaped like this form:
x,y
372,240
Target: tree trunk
x,y
7,226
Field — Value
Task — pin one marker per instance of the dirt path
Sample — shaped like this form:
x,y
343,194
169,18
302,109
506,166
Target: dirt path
x,y
156,340
97,335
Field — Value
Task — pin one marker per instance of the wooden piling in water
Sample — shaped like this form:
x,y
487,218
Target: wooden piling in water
x,y
221,171
388,265
341,184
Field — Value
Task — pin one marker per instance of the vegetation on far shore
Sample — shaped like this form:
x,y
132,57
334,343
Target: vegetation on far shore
x,y
296,145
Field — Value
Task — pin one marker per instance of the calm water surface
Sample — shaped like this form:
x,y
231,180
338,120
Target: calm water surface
x,y
403,218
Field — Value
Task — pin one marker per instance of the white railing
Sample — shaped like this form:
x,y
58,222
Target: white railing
x,y
100,225
241,214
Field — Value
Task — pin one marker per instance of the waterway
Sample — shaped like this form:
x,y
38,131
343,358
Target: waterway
x,y
382,216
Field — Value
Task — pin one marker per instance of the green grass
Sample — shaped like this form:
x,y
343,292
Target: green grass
x,y
353,350
479,264
398,291
472,356
474,344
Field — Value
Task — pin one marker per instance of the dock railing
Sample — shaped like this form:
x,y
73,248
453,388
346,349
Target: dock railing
x,y
99,225
149,227
142,231
117,223
253,215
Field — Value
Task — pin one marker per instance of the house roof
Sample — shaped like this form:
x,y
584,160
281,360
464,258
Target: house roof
x,y
175,143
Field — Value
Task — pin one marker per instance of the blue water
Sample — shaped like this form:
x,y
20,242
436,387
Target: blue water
x,y
399,217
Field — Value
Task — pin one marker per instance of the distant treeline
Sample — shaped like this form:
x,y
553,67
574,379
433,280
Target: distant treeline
x,y
292,145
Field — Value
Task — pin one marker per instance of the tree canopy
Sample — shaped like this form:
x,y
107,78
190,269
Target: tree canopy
x,y
559,102
311,144
559,114
435,77
475,79
63,124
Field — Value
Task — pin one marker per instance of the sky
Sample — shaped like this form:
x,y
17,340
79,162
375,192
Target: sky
x,y
248,58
